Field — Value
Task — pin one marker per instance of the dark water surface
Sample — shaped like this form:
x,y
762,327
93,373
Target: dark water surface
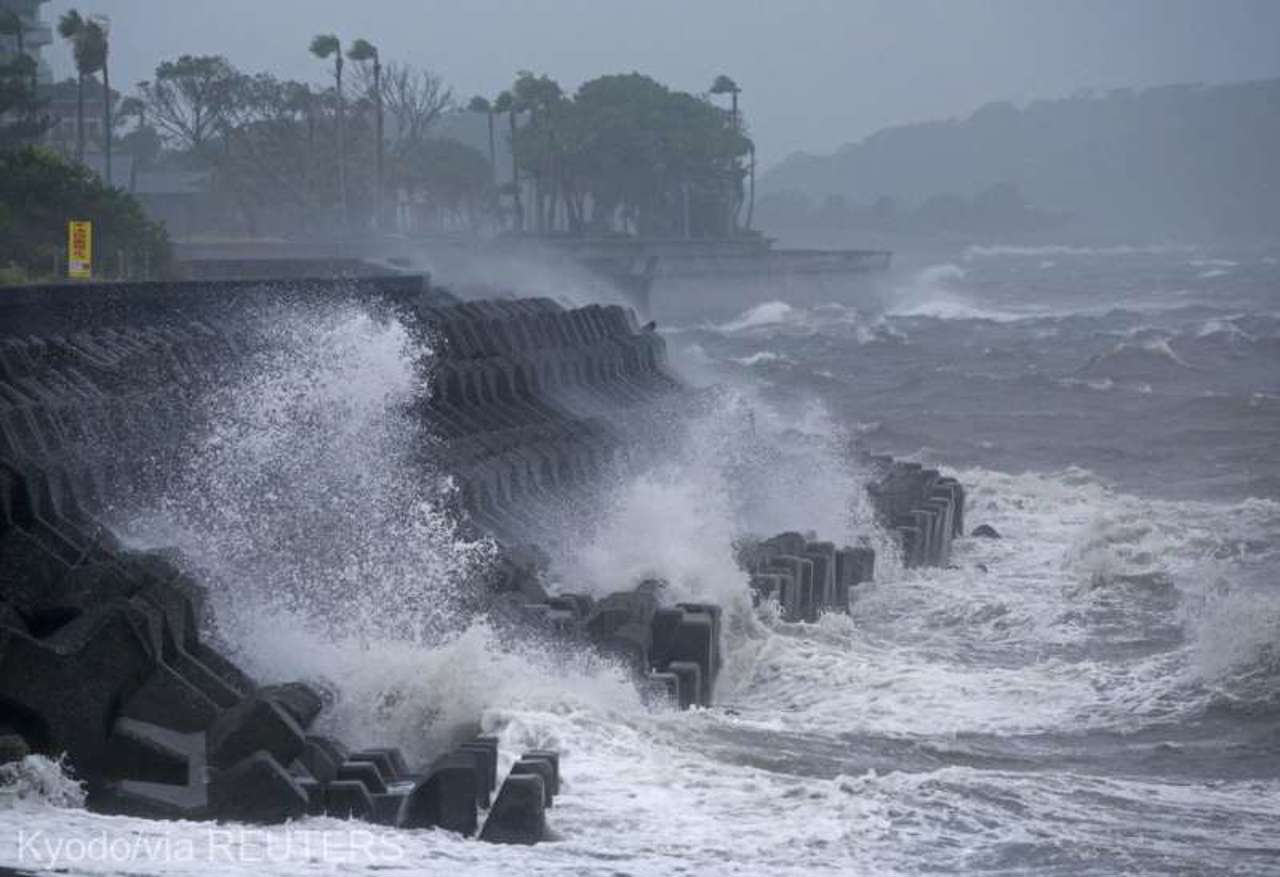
x,y
1096,693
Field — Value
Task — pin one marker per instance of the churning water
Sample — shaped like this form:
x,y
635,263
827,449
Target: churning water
x,y
1096,693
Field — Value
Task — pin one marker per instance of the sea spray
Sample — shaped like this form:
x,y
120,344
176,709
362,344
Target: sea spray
x,y
37,781
739,468
310,507
311,490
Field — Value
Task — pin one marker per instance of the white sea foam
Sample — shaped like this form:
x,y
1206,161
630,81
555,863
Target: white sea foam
x,y
937,292
928,659
1226,327
39,782
979,252
309,508
768,313
838,754
762,357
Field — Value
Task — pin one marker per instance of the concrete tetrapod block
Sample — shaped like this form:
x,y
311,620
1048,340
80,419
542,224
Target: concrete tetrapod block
x,y
169,700
298,699
822,555
258,789
487,759
909,539
365,772
689,674
661,689
519,815
543,768
73,680
348,799
164,772
800,594
786,543
552,756
446,797
942,530
388,807
389,762
319,761
615,610
629,643
924,522
695,641
251,725
314,790
716,614
853,567
663,627
399,768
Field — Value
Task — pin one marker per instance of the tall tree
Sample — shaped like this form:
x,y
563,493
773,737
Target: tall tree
x,y
724,85
362,52
88,38
506,103
190,100
541,96
71,28
326,46
480,104
414,99
143,143
98,33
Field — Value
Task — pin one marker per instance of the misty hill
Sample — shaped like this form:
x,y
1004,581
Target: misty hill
x,y
1179,160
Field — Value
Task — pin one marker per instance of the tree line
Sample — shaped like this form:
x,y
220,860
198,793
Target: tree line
x,y
624,154
621,154
40,191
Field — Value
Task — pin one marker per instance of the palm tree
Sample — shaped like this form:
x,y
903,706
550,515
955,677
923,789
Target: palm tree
x,y
482,105
71,28
361,51
506,103
725,85
96,33
325,46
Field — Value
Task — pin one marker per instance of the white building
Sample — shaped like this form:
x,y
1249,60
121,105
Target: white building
x,y
36,34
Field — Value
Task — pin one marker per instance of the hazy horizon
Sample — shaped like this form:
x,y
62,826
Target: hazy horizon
x,y
851,69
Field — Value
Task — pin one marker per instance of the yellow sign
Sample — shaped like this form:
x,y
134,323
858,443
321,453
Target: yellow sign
x,y
80,250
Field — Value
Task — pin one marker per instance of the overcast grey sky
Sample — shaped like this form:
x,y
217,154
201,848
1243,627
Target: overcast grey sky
x,y
815,74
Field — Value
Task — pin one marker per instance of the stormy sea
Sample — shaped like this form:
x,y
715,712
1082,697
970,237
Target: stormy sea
x,y
1096,692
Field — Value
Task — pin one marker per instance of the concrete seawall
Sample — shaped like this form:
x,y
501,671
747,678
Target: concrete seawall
x,y
101,647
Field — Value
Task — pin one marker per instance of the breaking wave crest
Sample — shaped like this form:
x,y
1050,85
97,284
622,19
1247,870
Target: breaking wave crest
x,y
37,781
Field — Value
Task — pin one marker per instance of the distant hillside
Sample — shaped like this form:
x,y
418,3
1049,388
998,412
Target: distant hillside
x,y
1180,159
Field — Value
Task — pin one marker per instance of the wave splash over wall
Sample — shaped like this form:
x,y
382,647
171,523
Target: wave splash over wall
x,y
308,504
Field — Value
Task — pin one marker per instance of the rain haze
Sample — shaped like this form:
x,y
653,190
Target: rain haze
x,y
782,438
816,74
